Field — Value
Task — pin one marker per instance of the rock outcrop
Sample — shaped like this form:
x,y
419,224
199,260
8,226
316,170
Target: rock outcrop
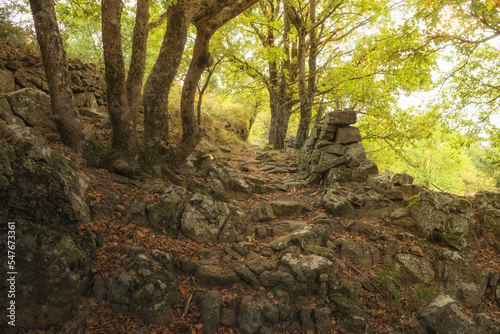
x,y
36,184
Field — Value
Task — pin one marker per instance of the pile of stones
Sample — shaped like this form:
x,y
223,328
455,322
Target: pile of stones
x,y
334,153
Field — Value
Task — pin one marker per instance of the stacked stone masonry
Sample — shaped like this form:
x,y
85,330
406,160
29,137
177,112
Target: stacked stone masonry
x,y
24,70
334,151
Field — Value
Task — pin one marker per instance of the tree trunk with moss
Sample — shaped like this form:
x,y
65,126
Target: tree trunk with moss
x,y
125,139
138,59
159,82
64,109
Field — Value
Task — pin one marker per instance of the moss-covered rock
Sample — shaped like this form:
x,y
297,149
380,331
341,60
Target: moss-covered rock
x,y
39,185
145,289
53,271
440,212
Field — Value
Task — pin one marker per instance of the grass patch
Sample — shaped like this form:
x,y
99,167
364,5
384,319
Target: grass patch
x,y
403,298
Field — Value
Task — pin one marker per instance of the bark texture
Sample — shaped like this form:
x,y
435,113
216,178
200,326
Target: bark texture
x,y
307,91
156,91
281,98
66,116
138,59
125,139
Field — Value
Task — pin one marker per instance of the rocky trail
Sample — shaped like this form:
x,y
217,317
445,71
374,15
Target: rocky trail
x,y
241,241
296,262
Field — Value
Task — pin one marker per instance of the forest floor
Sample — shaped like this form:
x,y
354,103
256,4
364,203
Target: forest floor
x,y
390,305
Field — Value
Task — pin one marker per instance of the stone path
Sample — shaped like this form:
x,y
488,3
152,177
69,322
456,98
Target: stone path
x,y
257,248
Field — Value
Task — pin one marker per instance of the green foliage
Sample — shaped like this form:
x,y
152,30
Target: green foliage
x,y
13,30
414,200
80,24
423,145
486,159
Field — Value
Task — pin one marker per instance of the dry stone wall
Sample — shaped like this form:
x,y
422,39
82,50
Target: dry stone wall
x,y
20,69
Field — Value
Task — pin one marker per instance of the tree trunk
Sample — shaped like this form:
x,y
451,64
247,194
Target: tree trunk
x,y
138,59
191,135
157,88
66,115
253,118
125,140
305,110
273,76
307,95
283,94
201,91
273,106
207,20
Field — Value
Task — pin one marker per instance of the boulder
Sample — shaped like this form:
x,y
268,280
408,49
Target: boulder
x,y
463,280
323,320
331,148
216,177
341,117
270,279
241,188
400,179
208,220
380,183
308,235
486,325
7,82
246,275
264,314
328,161
364,255
258,264
376,202
488,205
327,135
39,185
210,312
215,275
338,205
145,289
7,116
307,268
349,315
286,227
339,174
262,212
416,269
287,208
356,198
33,107
445,316
164,259
441,212
53,271
250,319
164,214
357,154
